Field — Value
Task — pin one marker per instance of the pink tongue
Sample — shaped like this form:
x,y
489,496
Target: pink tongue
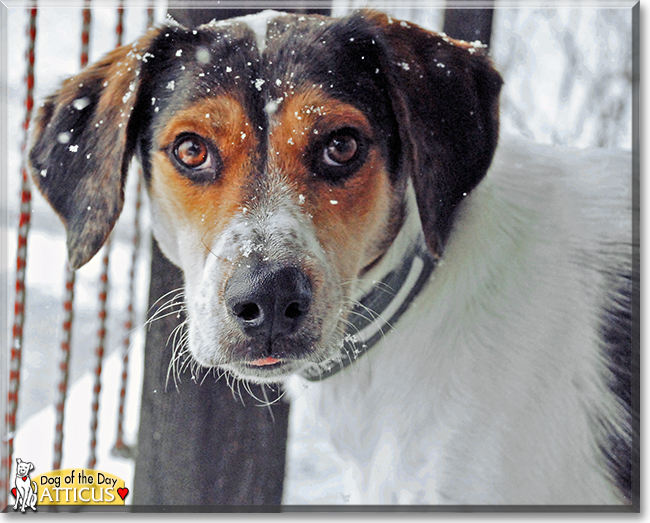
x,y
264,361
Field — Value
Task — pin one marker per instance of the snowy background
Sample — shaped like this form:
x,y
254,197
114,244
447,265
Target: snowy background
x,y
567,73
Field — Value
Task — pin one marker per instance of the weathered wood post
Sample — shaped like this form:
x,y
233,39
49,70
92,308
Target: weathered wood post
x,y
468,23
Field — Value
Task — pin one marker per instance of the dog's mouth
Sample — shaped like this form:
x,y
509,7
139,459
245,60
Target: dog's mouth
x,y
256,360
265,362
268,365
268,370
254,352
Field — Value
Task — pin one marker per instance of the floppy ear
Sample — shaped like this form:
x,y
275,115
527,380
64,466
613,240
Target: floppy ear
x,y
82,144
447,106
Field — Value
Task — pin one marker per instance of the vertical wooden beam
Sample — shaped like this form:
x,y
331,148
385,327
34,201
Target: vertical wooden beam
x,y
468,23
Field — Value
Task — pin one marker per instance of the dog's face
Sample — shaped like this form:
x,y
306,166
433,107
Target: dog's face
x,y
276,150
23,468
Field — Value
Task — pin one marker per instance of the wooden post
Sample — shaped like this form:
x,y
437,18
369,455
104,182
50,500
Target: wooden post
x,y
198,444
469,24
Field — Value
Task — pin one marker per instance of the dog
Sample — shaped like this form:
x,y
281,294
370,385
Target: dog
x,y
26,489
461,338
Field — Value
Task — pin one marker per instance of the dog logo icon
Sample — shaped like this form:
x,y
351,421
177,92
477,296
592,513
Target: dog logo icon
x,y
25,489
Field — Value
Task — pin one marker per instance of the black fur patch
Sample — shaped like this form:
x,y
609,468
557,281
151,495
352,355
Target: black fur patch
x,y
617,327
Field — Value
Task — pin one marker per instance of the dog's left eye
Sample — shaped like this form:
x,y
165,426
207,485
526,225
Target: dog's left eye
x,y
340,150
339,155
195,157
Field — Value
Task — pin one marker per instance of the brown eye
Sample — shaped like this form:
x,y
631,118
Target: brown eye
x,y
195,158
340,150
339,155
192,152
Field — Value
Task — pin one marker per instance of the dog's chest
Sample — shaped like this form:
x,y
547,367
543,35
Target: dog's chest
x,y
353,437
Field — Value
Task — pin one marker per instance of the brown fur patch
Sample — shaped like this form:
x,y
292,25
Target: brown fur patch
x,y
206,207
350,218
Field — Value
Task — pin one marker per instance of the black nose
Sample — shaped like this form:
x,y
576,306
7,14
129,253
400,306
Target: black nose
x,y
268,301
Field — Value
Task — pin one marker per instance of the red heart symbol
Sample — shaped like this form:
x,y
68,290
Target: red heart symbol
x,y
14,491
122,492
24,478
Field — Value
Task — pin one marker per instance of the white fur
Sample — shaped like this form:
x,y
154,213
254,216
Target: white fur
x,y
257,22
484,391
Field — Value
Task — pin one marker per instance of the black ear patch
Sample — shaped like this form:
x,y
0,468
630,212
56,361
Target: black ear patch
x,y
446,100
80,151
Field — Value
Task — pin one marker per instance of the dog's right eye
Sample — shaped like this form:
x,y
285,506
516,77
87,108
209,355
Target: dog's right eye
x,y
196,157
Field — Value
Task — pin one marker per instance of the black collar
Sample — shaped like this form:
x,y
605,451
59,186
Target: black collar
x,y
378,311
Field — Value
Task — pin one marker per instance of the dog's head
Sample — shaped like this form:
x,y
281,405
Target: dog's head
x,y
277,150
23,467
